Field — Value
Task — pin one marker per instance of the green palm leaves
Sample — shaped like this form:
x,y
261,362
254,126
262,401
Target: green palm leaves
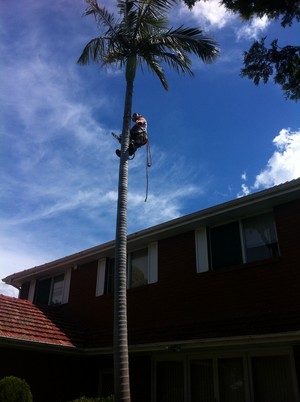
x,y
140,36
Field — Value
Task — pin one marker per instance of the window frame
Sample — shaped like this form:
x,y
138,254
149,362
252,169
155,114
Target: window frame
x,y
132,256
102,284
242,242
65,287
246,355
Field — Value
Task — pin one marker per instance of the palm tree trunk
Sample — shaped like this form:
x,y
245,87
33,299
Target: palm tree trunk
x,y
121,359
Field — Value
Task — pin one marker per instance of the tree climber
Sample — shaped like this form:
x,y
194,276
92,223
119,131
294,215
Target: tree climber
x,y
138,134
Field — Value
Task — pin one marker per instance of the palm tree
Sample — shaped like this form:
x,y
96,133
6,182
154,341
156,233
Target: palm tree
x,y
138,36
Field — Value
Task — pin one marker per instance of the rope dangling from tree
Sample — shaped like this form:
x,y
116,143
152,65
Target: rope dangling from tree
x,y
148,164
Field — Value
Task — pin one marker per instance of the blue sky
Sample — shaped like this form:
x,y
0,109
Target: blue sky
x,y
214,137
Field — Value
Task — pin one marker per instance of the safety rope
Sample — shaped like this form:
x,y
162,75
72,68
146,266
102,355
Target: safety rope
x,y
148,164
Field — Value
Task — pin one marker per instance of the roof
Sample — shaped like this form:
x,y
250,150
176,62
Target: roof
x,y
251,204
23,321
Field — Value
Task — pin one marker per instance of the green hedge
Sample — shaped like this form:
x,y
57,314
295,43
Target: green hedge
x,y
14,389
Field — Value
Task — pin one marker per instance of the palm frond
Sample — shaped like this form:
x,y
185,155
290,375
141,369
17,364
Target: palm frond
x,y
104,51
192,40
92,51
153,13
155,67
178,62
142,33
104,19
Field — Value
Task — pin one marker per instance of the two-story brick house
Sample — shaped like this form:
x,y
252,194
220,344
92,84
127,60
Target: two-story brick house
x,y
213,310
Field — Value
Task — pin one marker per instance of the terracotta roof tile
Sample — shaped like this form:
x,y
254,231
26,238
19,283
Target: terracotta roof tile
x,y
22,320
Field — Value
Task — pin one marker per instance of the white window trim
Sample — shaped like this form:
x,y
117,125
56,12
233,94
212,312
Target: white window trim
x,y
241,233
101,270
152,268
202,260
66,290
153,262
67,282
242,239
31,290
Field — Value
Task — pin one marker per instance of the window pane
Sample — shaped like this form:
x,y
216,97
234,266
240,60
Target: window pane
x,y
139,268
57,289
260,237
170,382
202,381
272,379
43,291
225,245
231,380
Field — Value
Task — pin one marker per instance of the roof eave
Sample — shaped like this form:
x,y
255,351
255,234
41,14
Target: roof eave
x,y
232,209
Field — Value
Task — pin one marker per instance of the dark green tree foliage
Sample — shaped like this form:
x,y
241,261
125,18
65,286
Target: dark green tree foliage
x,y
286,10
14,389
262,63
283,63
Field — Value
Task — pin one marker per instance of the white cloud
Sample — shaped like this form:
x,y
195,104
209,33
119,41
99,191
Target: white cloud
x,y
284,163
210,14
282,166
244,176
8,290
252,29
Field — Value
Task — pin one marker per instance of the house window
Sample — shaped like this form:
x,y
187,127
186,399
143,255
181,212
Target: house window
x,y
272,379
138,268
231,379
245,376
225,243
170,381
226,373
141,270
243,241
260,238
52,290
202,380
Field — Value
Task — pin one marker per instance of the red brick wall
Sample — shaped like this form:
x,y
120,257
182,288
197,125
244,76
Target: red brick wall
x,y
182,295
96,311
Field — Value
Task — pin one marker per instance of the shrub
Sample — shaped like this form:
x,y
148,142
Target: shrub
x,y
110,398
14,389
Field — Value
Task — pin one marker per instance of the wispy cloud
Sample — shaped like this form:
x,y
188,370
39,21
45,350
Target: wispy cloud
x,y
59,170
